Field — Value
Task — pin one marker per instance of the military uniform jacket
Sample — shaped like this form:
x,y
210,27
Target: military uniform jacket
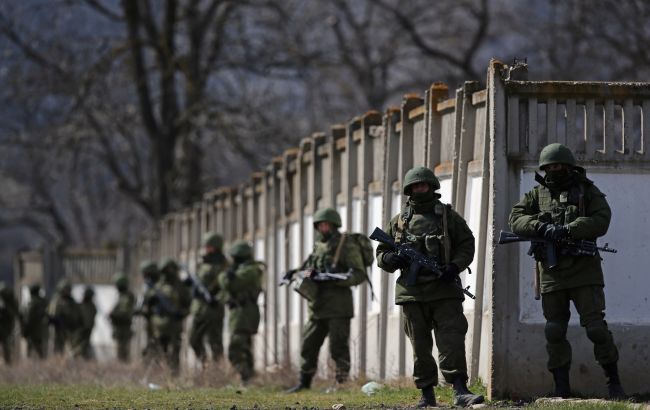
x,y
66,313
564,209
88,312
334,298
241,288
8,311
35,319
172,302
208,274
122,314
425,233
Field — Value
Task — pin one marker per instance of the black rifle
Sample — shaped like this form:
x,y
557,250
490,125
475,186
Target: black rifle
x,y
417,260
313,275
552,248
199,287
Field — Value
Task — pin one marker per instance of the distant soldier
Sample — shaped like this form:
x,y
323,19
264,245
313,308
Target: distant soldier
x,y
150,276
36,323
170,304
121,317
331,309
207,309
8,316
65,315
432,303
567,205
88,313
242,284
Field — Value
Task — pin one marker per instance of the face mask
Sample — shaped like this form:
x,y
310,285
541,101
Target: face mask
x,y
323,237
557,179
419,197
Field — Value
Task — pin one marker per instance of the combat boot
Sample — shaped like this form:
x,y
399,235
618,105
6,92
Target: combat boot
x,y
614,387
428,398
561,380
462,396
303,384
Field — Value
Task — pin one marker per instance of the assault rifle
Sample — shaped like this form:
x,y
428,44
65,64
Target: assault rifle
x,y
313,275
162,304
198,287
418,261
552,248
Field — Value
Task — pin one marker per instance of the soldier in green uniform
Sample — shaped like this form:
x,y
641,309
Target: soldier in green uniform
x,y
121,317
436,230
150,276
331,308
88,313
170,305
8,316
36,323
242,284
65,314
567,205
208,314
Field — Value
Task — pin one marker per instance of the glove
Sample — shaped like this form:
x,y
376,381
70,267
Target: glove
x,y
395,260
552,232
449,273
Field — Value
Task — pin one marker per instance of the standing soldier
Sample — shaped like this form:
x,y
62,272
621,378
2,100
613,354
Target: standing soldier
x,y
65,314
88,312
8,315
331,308
567,205
241,285
436,230
121,317
36,323
150,276
207,310
170,305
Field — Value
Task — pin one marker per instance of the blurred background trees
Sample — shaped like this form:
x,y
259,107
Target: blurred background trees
x,y
116,112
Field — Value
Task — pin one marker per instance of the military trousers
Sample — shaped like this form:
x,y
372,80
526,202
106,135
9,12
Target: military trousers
x,y
240,354
314,334
208,323
37,346
446,319
122,336
7,347
589,302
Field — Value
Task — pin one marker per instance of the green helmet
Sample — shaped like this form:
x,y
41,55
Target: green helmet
x,y
556,153
168,264
89,292
121,280
420,174
64,286
327,215
241,250
148,267
213,239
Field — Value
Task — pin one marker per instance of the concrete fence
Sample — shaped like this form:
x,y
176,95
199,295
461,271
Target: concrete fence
x,y
483,145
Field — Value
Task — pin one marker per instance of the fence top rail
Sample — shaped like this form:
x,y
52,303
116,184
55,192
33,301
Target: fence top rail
x,y
579,90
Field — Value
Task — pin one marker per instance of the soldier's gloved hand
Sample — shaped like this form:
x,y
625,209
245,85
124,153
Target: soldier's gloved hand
x,y
449,273
553,232
395,260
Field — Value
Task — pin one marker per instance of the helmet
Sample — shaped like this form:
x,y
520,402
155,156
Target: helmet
x,y
34,289
148,267
64,286
89,292
556,153
419,174
121,280
327,215
213,239
241,250
169,264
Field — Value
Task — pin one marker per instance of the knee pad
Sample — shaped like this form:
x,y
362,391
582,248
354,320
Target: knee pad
x,y
555,332
598,333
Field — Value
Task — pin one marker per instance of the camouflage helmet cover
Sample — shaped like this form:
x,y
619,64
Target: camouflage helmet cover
x,y
169,263
556,153
64,286
121,280
420,174
213,239
241,250
327,215
148,267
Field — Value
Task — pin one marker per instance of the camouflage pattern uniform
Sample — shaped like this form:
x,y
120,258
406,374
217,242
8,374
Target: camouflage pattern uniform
x,y
65,314
8,316
121,317
241,285
35,323
88,313
332,308
434,229
208,315
170,305
150,276
567,205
